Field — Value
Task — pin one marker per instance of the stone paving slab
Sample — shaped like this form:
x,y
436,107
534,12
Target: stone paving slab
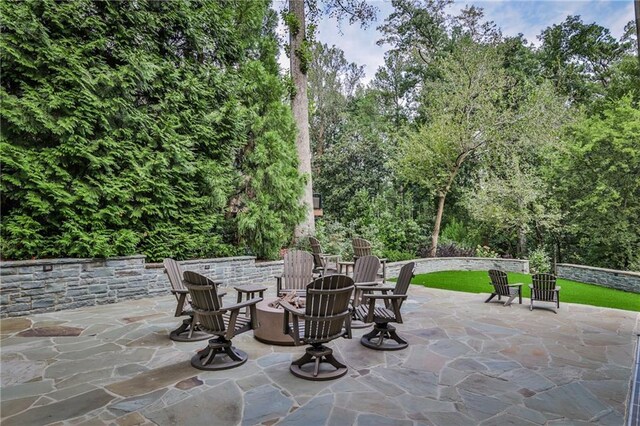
x,y
468,363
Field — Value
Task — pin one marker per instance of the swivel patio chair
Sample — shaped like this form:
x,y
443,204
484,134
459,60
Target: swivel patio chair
x,y
189,330
501,287
361,248
297,272
544,289
325,317
383,335
223,322
321,260
365,275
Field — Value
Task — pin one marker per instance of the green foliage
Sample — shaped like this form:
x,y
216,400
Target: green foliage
x,y
133,127
572,291
486,251
598,182
456,231
539,261
291,21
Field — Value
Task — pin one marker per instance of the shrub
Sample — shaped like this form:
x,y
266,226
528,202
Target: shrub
x,y
486,251
450,249
539,261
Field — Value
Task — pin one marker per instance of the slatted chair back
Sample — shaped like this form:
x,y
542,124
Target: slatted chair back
x,y
543,286
205,301
316,251
297,270
500,282
361,248
405,276
366,269
327,308
174,272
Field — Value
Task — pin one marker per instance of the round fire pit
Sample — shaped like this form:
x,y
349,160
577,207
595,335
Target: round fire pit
x,y
271,322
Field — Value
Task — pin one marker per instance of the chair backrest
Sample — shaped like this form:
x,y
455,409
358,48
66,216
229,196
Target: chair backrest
x,y
543,286
316,251
499,281
297,270
366,269
404,278
361,247
327,307
205,301
174,272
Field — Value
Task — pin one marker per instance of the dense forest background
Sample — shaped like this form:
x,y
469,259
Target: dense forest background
x,y
164,128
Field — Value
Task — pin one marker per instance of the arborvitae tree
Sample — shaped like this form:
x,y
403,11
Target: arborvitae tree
x,y
124,125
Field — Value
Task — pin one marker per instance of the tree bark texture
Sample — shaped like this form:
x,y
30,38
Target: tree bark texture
x,y
436,226
300,107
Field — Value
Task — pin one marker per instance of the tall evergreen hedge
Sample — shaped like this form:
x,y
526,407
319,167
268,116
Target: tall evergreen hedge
x,y
141,127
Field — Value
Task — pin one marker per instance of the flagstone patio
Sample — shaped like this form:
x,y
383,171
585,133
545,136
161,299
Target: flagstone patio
x,y
468,363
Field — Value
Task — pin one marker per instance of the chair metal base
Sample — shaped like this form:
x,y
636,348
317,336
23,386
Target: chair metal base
x,y
381,335
187,332
318,354
219,355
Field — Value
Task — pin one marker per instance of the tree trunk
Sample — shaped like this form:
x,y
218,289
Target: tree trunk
x,y
436,226
522,242
300,107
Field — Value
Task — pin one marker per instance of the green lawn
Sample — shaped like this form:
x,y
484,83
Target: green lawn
x,y
572,291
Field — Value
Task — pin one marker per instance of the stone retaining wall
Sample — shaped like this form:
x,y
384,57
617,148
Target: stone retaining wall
x,y
426,265
621,280
34,286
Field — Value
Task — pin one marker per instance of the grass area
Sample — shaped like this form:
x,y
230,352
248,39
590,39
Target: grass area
x,y
572,291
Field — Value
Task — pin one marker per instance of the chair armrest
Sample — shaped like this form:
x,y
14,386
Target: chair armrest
x,y
516,285
238,306
370,289
384,296
366,284
290,308
179,291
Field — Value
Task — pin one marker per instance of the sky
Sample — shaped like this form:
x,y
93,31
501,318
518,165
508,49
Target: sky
x,y
528,17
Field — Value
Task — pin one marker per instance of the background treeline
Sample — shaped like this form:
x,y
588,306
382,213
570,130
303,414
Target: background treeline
x,y
468,142
144,127
164,128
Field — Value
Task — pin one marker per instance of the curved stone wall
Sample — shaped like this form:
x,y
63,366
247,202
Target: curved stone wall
x,y
620,280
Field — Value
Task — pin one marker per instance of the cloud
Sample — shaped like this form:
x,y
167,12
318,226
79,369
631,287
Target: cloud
x,y
529,17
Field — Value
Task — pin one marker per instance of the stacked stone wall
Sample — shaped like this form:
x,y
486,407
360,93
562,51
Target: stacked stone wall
x,y
35,286
620,280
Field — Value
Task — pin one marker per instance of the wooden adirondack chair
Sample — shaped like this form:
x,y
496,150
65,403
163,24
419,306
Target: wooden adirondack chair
x,y
544,289
501,287
325,317
223,322
189,330
361,248
297,272
382,334
321,260
365,275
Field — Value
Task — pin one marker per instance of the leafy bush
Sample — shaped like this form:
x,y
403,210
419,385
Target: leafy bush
x,y
450,249
397,255
486,251
144,127
539,261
